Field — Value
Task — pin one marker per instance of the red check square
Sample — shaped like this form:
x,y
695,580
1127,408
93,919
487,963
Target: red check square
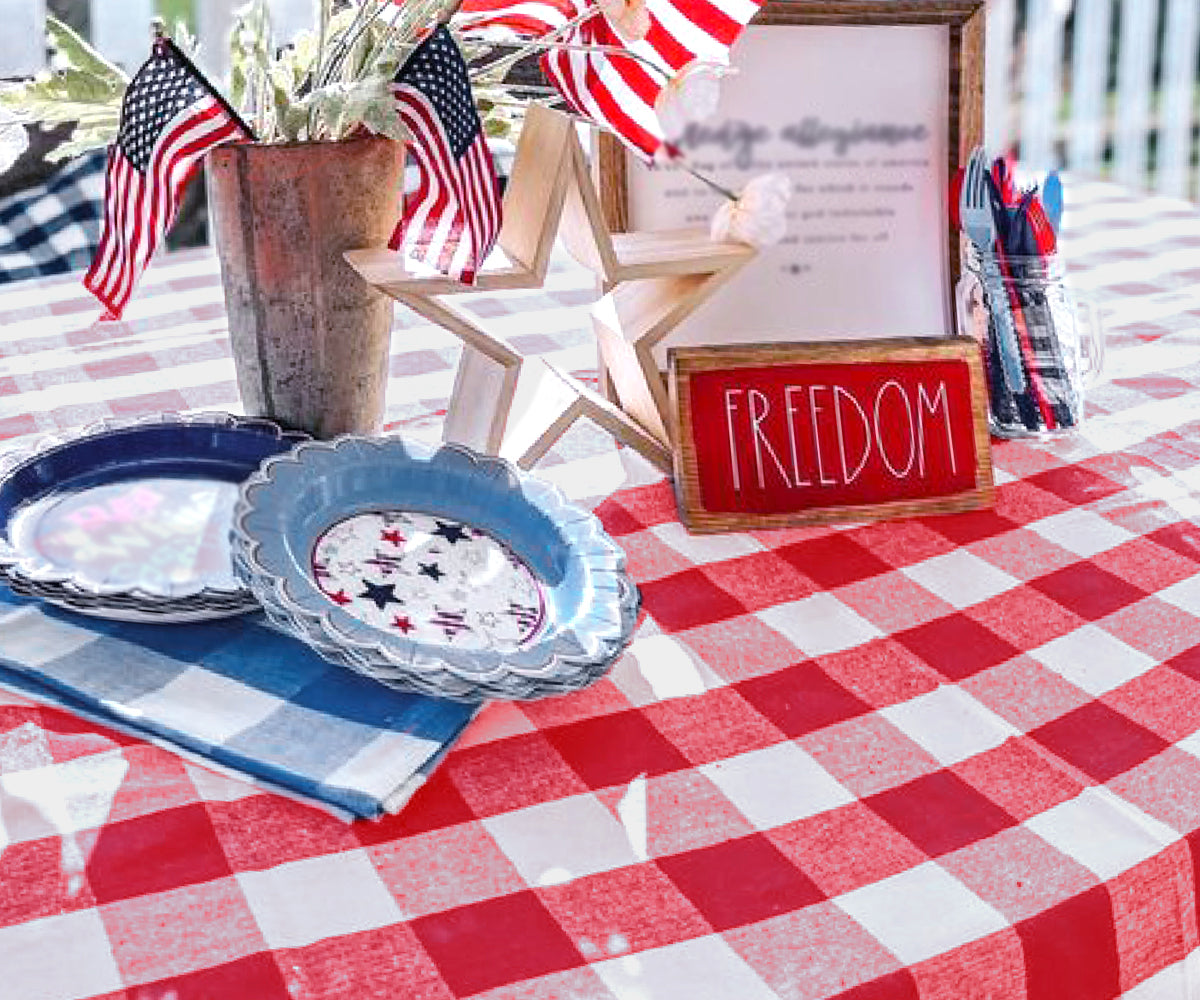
x,y
1024,692
996,964
741,647
386,963
1073,942
900,543
969,526
685,600
1099,741
1146,564
1076,484
615,749
881,672
1154,627
261,831
957,646
814,952
833,560
740,881
1182,537
629,909
436,804
155,853
637,508
648,557
495,942
845,848
182,931
1166,787
1024,617
255,977
1135,909
898,985
760,580
1023,502
35,881
1019,779
801,699
868,754
1088,590
511,774
1018,873
717,724
1165,701
940,813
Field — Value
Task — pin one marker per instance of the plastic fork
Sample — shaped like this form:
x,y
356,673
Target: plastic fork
x,y
975,210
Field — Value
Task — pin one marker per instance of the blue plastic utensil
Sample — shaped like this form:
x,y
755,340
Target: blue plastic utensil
x,y
1052,199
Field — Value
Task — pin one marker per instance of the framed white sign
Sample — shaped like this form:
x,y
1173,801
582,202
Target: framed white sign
x,y
868,107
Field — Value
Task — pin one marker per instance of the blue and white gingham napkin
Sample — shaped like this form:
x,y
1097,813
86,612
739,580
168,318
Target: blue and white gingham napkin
x,y
237,693
55,226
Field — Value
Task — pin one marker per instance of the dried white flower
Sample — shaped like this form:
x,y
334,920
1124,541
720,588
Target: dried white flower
x,y
630,19
14,140
691,95
758,217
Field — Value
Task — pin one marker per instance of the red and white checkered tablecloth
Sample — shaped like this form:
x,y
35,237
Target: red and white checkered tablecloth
x,y
948,757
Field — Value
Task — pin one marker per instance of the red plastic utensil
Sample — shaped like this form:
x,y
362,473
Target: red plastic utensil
x,y
1043,231
956,183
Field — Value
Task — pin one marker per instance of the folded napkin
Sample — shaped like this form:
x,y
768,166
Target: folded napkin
x,y
238,693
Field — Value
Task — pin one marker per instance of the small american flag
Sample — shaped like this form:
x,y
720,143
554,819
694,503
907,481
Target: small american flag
x,y
170,118
451,221
613,90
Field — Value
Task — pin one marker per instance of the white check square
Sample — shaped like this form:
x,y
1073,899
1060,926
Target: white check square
x,y
706,548
60,799
1185,594
207,705
776,785
1104,833
950,724
555,842
299,902
67,955
703,968
1092,659
819,625
960,578
1083,532
921,913
659,667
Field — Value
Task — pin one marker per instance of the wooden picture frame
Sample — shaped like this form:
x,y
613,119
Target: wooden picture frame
x,y
779,435
964,21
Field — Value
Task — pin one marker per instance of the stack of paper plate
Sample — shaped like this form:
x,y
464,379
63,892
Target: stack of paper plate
x,y
444,571
130,519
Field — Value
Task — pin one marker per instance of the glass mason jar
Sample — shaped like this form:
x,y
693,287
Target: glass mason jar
x,y
1040,348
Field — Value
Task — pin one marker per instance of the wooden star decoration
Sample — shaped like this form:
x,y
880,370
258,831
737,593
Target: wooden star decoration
x,y
507,404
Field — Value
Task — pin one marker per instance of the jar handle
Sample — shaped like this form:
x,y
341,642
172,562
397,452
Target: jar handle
x,y
1091,345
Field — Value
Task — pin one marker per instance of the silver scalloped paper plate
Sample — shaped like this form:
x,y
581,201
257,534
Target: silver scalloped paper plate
x,y
441,571
129,519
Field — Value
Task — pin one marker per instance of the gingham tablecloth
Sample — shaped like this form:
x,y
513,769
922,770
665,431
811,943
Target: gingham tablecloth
x,y
947,757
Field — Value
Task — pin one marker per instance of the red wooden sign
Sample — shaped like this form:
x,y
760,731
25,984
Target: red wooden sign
x,y
783,434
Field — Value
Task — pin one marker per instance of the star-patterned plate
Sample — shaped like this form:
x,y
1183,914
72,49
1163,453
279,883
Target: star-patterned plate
x,y
129,519
442,571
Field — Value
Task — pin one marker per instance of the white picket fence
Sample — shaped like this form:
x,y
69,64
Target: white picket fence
x,y
1059,58
121,30
1032,75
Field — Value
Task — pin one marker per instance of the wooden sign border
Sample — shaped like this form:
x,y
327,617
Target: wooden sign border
x,y
683,362
966,21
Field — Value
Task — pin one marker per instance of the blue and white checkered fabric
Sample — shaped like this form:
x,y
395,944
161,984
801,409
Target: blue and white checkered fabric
x,y
53,227
237,693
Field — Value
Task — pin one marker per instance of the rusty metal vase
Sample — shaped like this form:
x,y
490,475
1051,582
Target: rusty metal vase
x,y
310,338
